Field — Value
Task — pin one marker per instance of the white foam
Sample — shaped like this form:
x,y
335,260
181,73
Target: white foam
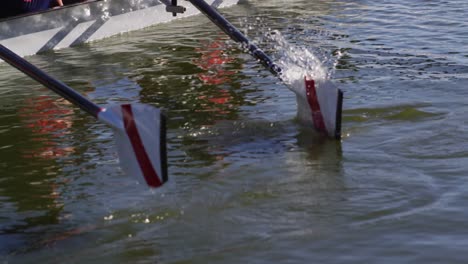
x,y
298,63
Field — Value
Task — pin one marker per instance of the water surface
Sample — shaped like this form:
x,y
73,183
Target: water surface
x,y
247,182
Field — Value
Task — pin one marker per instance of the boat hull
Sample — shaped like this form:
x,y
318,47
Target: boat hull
x,y
90,21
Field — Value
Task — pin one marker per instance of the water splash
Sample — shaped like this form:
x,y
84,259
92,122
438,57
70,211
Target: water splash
x,y
299,63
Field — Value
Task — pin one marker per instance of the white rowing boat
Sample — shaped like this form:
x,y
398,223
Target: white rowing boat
x,y
89,21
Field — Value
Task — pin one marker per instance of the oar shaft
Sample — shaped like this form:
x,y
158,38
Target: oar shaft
x,y
236,35
49,82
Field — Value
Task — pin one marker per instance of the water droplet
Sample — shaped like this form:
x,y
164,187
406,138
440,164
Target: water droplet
x,y
108,218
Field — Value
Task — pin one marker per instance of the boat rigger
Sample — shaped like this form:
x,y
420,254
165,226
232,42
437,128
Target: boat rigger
x,y
92,20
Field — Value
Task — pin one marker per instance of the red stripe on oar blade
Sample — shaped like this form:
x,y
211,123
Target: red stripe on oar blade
x,y
144,161
314,105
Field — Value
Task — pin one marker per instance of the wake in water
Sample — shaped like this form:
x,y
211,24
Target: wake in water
x,y
320,104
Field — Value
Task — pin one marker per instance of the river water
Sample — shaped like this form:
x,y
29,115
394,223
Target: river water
x,y
248,184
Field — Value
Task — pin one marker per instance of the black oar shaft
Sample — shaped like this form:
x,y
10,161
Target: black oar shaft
x,y
236,35
60,88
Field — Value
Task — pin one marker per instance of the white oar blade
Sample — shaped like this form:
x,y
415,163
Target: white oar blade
x,y
141,141
320,103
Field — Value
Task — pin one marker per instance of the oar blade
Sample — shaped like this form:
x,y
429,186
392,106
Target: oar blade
x,y
320,103
140,134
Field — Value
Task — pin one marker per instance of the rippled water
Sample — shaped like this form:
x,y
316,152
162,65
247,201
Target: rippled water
x,y
247,183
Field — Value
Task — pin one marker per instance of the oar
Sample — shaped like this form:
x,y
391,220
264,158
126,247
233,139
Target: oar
x,y
139,129
320,99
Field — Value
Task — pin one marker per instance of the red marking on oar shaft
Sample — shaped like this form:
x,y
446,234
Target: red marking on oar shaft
x,y
144,161
314,105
